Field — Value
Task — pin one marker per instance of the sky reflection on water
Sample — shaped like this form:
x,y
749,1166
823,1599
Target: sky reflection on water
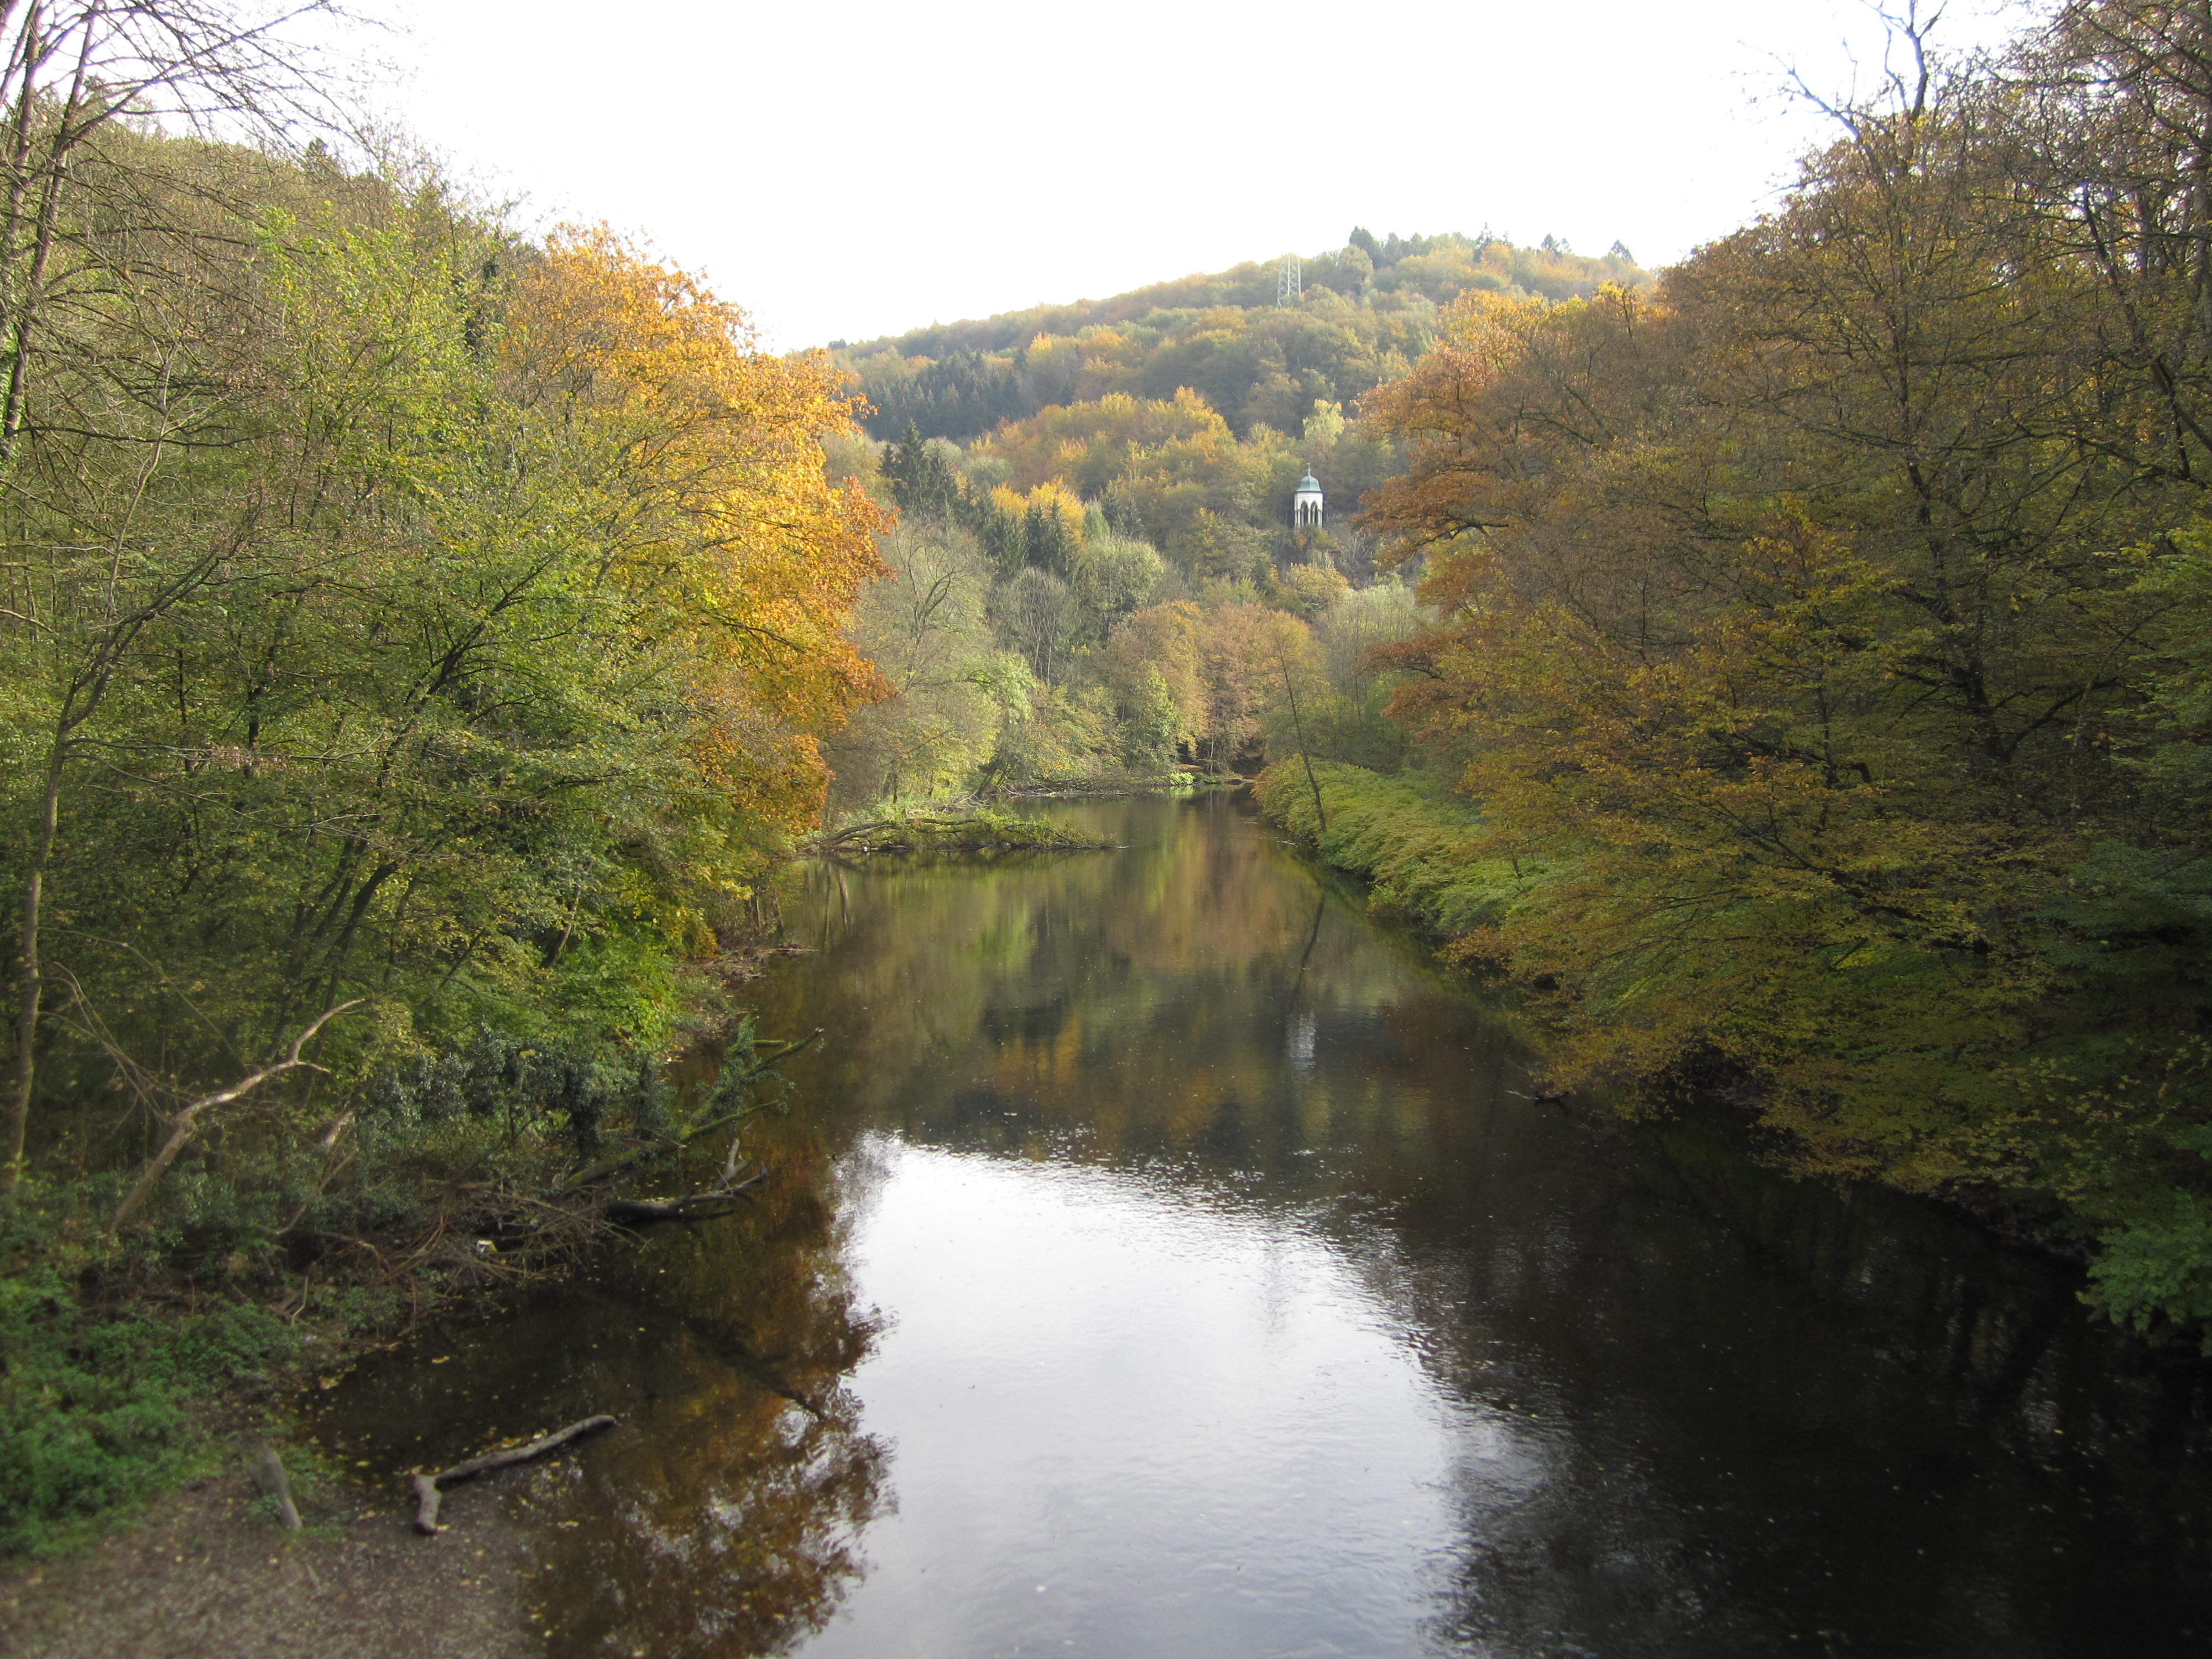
x,y
1119,1415
1294,1327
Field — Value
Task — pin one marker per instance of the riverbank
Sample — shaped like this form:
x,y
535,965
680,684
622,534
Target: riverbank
x,y
983,823
135,1358
1415,843
1112,786
205,1569
947,830
1411,837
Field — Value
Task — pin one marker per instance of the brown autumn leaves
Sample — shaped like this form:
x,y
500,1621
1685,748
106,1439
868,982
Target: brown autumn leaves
x,y
1823,637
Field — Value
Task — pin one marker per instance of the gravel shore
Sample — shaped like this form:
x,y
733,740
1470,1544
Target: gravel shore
x,y
200,1575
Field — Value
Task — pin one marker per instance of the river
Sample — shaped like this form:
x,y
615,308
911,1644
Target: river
x,y
1161,1260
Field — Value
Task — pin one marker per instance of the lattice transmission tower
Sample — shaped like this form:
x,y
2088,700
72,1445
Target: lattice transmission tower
x,y
1290,282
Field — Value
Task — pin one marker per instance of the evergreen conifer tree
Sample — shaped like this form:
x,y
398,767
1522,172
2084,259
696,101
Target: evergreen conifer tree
x,y
1049,545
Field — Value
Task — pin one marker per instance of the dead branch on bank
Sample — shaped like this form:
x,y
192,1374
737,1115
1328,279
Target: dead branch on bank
x,y
427,1493
181,1126
504,1231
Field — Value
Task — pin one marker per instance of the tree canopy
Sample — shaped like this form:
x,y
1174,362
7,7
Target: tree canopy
x,y
1369,308
1822,637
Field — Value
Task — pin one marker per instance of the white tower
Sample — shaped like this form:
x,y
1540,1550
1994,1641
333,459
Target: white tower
x,y
1305,506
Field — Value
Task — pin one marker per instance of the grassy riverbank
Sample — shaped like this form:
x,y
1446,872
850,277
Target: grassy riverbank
x,y
1410,836
1418,846
133,1362
130,1355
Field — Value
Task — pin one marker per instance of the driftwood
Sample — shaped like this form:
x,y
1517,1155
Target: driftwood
x,y
427,1486
696,1206
269,1475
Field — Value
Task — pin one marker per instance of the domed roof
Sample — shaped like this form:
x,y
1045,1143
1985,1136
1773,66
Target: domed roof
x,y
1310,483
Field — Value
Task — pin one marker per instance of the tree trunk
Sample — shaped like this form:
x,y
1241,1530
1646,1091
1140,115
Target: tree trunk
x,y
1298,726
30,979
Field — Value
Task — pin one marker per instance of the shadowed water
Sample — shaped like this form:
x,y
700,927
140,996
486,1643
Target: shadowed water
x,y
1232,1302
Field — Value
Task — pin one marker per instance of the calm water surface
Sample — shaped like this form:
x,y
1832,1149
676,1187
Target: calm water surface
x,y
1163,1262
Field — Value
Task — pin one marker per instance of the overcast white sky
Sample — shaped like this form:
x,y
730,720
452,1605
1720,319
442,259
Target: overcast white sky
x,y
853,169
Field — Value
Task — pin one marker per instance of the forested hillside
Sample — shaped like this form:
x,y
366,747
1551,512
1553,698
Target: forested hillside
x,y
1081,464
1052,637
1368,310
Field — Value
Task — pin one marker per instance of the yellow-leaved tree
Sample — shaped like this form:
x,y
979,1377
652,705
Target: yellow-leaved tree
x,y
703,475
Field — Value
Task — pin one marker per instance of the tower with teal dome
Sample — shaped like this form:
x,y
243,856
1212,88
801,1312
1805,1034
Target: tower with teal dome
x,y
1306,505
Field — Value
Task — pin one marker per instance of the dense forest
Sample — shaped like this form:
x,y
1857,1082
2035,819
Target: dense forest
x,y
420,637
1819,641
1098,571
1042,638
1256,356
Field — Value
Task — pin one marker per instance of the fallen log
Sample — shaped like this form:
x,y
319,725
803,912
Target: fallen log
x,y
699,1207
427,1493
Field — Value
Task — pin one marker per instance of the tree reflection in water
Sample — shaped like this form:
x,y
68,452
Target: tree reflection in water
x,y
723,1516
1222,1197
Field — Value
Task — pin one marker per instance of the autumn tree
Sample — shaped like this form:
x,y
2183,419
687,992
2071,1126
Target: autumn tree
x,y
88,212
1810,634
926,627
468,618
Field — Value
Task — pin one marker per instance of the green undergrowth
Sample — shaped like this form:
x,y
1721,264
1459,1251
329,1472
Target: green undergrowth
x,y
1409,834
129,1359
102,1408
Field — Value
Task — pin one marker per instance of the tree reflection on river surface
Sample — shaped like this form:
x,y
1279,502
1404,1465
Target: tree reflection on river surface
x,y
1236,1304
721,1516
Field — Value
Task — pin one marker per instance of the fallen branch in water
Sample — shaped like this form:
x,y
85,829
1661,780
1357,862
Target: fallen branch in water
x,y
509,1230
771,1055
427,1486
697,1206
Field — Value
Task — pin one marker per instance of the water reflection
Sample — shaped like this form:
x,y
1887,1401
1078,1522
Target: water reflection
x,y
1633,1392
1090,1375
1239,1305
721,1517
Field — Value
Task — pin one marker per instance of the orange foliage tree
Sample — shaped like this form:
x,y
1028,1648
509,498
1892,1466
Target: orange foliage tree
x,y
701,476
1811,634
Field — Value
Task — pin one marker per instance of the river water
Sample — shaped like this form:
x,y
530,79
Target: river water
x,y
1161,1260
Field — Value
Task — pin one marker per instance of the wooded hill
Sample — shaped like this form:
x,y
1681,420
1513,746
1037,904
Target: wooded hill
x,y
1367,313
